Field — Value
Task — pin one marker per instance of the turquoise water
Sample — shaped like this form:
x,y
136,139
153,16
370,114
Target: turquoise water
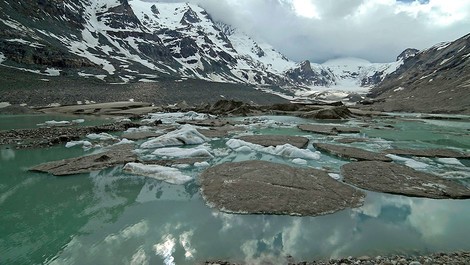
x,y
111,217
30,121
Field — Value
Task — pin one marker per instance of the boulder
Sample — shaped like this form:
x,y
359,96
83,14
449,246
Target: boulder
x,y
275,140
397,179
351,152
260,187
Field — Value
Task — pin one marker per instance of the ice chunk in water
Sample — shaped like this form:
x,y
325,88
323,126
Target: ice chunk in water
x,y
75,143
187,134
167,174
100,136
285,150
409,162
182,152
450,161
299,161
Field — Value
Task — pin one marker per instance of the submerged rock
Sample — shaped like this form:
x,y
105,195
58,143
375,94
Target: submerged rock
x,y
428,153
351,152
118,155
327,129
275,140
397,179
260,187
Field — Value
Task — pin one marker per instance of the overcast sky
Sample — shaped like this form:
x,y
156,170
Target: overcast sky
x,y
318,30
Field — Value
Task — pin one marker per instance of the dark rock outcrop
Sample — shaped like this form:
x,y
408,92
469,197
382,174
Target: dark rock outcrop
x,y
260,187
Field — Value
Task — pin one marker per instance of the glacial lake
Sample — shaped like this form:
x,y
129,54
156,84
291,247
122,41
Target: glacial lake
x,y
113,217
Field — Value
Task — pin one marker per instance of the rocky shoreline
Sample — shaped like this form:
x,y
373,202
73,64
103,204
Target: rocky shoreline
x,y
454,258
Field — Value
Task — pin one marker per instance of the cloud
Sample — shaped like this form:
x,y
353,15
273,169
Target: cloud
x,y
376,30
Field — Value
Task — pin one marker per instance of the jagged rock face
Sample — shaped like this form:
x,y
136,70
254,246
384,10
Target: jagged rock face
x,y
304,74
410,52
434,80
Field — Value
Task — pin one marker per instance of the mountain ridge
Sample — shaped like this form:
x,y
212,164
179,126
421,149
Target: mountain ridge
x,y
116,40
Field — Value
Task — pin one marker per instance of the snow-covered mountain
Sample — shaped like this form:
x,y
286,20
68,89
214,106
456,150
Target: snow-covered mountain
x,y
121,41
436,79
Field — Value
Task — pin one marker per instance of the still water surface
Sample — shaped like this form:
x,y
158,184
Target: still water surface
x,y
110,217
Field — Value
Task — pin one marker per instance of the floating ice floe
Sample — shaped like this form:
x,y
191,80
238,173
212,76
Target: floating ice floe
x,y
85,144
201,164
54,123
100,136
299,161
167,174
285,150
408,162
78,121
187,134
124,141
174,117
182,152
450,161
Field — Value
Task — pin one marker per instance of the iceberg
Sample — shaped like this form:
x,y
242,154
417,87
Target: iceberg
x,y
187,134
285,150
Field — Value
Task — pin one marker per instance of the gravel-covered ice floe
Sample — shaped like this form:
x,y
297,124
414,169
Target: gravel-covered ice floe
x,y
285,150
182,152
174,117
167,174
187,134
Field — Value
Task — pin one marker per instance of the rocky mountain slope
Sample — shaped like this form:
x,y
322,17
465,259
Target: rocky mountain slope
x,y
122,41
432,80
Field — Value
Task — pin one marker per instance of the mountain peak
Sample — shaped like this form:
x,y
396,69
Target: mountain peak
x,y
410,52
